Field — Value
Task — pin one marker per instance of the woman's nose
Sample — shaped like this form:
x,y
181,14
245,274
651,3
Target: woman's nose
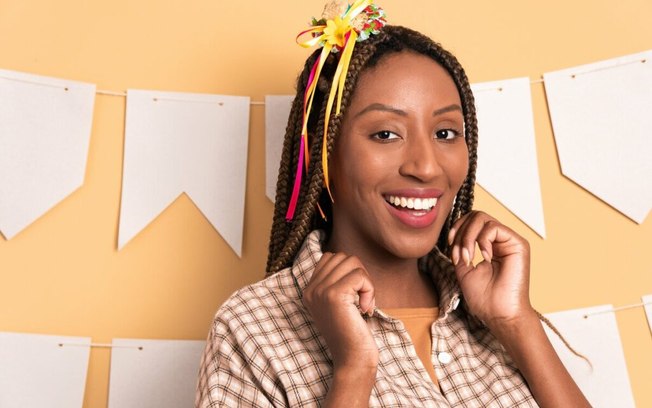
x,y
420,159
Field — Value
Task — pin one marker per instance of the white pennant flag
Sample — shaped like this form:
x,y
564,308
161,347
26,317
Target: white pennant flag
x,y
603,129
154,373
593,332
507,155
43,370
277,111
185,143
45,129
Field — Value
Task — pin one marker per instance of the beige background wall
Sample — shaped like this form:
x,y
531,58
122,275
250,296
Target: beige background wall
x,y
63,274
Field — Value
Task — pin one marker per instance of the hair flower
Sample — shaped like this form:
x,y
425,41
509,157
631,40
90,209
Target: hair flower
x,y
336,31
341,25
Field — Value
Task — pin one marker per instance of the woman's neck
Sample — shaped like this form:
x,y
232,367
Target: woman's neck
x,y
397,282
396,288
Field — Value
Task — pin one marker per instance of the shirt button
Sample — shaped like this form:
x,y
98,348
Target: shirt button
x,y
456,303
444,357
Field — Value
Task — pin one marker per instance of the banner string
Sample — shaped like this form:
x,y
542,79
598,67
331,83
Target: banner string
x,y
642,61
99,345
616,309
261,103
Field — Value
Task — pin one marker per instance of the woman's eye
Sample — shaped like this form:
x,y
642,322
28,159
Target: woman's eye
x,y
385,135
447,134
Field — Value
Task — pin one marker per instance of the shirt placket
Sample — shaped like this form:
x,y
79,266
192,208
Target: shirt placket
x,y
442,355
389,324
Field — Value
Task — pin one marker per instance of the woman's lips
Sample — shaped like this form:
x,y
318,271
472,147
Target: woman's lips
x,y
416,209
412,203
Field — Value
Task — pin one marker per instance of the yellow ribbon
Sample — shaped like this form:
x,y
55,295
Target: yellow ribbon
x,y
337,87
340,33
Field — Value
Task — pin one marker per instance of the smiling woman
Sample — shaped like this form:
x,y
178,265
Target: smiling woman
x,y
371,297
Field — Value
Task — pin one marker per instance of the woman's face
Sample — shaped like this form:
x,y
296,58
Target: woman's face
x,y
400,159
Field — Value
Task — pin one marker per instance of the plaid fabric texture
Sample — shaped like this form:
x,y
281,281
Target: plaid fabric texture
x,y
263,350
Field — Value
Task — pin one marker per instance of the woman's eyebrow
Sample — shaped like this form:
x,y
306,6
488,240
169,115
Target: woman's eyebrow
x,y
449,108
382,108
386,108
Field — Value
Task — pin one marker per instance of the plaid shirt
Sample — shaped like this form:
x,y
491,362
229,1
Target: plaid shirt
x,y
263,350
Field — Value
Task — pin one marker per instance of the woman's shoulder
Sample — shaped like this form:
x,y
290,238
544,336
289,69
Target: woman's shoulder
x,y
267,303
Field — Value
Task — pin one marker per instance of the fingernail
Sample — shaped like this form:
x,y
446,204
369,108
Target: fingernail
x,y
370,311
466,257
486,255
455,255
451,234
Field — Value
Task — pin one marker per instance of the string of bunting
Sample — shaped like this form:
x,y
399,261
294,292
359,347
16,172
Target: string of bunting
x,y
262,103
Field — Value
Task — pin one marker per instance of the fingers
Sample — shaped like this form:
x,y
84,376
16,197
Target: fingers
x,y
483,230
333,266
327,263
339,277
358,282
462,238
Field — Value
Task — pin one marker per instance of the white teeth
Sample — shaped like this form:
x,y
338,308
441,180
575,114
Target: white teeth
x,y
413,203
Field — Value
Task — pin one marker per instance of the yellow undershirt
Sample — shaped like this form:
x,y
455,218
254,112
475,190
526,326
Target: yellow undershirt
x,y
417,322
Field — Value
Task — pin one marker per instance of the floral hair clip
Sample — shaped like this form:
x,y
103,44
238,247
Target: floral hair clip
x,y
339,28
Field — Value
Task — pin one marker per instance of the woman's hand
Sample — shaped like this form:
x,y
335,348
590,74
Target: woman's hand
x,y
338,292
497,292
496,289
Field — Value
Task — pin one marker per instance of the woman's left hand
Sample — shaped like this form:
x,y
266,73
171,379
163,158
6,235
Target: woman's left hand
x,y
496,290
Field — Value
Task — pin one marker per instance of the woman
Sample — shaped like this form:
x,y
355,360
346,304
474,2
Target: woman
x,y
361,306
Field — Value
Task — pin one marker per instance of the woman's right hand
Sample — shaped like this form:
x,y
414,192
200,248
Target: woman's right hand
x,y
339,291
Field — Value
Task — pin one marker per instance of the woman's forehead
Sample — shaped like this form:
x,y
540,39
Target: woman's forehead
x,y
405,77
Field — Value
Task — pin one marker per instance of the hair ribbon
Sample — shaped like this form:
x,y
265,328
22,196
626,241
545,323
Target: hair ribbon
x,y
335,34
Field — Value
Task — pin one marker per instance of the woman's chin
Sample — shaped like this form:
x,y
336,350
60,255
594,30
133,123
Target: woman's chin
x,y
411,249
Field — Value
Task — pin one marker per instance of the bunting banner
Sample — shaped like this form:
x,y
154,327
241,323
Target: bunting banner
x,y
154,373
39,370
593,332
507,154
179,143
601,119
45,130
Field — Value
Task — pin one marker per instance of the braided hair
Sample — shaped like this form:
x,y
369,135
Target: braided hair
x,y
286,237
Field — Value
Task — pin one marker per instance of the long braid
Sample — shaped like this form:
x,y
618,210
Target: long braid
x,y
300,226
464,199
287,168
279,227
286,238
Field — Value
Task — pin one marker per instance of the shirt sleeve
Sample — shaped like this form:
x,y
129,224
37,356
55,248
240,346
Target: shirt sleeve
x,y
226,374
